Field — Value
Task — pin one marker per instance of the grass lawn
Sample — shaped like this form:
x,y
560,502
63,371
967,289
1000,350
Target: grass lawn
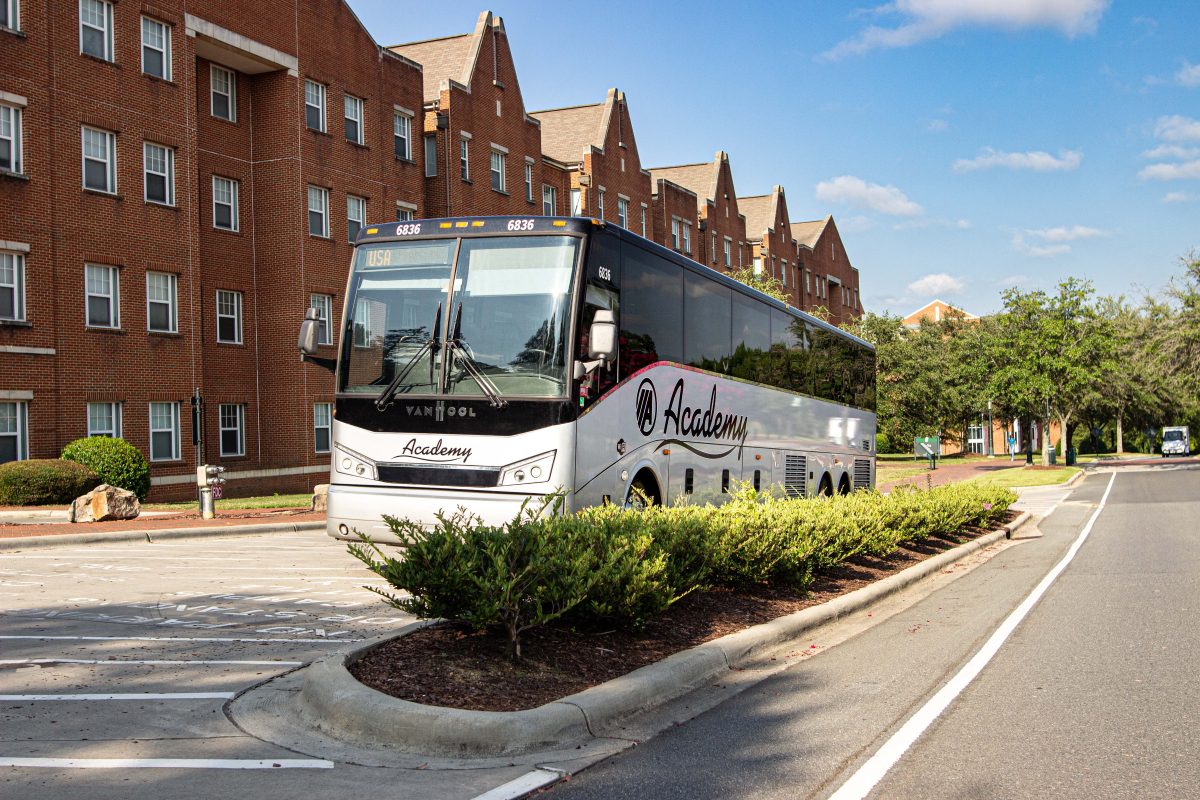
x,y
1090,457
268,501
1020,476
886,473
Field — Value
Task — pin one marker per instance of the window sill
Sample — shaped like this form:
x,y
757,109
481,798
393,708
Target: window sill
x,y
500,191
359,145
15,323
102,193
165,462
103,329
167,206
160,79
320,237
108,61
165,334
229,231
233,457
223,343
13,32
467,180
318,132
403,160
8,174
225,120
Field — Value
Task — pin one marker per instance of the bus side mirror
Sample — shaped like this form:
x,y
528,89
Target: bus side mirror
x,y
602,338
308,333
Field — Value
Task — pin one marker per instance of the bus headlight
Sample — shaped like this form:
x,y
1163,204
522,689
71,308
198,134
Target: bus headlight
x,y
349,462
531,470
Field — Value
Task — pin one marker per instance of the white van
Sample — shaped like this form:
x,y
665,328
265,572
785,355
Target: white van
x,y
1175,441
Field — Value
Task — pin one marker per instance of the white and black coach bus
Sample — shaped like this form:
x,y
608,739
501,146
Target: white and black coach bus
x,y
484,361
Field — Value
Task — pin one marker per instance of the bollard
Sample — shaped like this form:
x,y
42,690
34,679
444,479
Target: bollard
x,y
207,509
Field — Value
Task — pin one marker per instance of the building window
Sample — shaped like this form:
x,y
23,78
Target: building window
x,y
159,170
528,181
758,265
549,201
156,48
99,160
402,132
576,203
225,203
12,287
14,431
102,296
223,91
687,237
232,420
161,306
356,215
623,212
104,419
96,28
405,212
430,155
229,316
10,137
362,323
808,281
674,233
322,424
643,220
464,161
318,211
9,14
354,119
728,245
164,431
498,171
314,106
783,270
712,251
323,303
600,202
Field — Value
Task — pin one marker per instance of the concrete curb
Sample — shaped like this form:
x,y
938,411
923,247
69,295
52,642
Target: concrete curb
x,y
1076,478
336,703
163,534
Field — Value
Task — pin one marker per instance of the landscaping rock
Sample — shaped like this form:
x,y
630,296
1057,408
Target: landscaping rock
x,y
320,497
104,503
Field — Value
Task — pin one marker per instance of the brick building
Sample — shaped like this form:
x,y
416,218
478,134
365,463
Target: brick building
x,y
825,278
721,227
769,237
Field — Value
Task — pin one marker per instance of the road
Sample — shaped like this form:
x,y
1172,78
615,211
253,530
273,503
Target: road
x,y
1092,696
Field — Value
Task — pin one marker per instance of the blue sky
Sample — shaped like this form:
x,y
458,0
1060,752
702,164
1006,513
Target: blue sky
x,y
963,146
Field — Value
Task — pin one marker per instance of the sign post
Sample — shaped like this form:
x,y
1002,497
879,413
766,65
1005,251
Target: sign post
x,y
927,447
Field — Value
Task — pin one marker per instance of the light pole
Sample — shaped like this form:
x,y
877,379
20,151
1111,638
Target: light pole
x,y
991,433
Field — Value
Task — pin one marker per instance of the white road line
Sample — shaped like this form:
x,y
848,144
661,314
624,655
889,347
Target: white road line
x,y
175,639
166,763
32,698
116,662
521,786
877,766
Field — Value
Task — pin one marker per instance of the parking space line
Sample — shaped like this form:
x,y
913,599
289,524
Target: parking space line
x,y
167,763
519,787
38,698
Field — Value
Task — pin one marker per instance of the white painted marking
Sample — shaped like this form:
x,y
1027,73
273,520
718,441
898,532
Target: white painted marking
x,y
521,786
116,662
139,696
175,639
166,763
877,766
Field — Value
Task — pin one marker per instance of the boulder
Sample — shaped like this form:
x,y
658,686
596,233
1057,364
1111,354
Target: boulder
x,y
104,503
320,497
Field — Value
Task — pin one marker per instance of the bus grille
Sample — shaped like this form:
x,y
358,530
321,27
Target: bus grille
x,y
438,476
862,473
795,476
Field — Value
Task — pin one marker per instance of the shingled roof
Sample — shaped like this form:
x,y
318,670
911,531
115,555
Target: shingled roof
x,y
698,178
447,58
760,214
566,132
808,233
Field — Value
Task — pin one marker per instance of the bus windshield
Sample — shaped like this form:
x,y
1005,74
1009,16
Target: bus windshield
x,y
504,318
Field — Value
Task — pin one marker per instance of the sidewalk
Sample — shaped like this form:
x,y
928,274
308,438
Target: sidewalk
x,y
954,473
174,521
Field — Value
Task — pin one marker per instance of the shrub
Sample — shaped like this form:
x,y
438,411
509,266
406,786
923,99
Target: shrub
x,y
45,481
116,461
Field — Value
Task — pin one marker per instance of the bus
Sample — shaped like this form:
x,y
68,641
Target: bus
x,y
485,361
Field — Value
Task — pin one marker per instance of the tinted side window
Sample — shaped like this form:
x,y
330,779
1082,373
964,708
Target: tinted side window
x,y
751,339
825,365
706,323
652,310
602,276
866,380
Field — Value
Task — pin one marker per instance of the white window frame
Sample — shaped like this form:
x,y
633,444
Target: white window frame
x,y
623,212
808,281
430,145
712,257
576,202
528,179
643,220
783,271
237,417
113,296
229,92
20,424
354,202
314,97
321,195
13,7
164,50
12,278
170,282
405,212
173,413
727,249
600,202
105,27
14,117
362,331
218,184
322,420
402,134
113,411
167,173
354,110
675,233
549,200
499,170
108,158
464,156
687,236
229,306
323,303
757,265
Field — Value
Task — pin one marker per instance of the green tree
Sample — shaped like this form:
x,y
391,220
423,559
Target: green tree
x,y
767,284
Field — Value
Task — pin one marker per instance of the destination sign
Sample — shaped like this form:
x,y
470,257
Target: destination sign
x,y
474,225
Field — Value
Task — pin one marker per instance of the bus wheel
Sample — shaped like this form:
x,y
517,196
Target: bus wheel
x,y
643,492
825,488
844,485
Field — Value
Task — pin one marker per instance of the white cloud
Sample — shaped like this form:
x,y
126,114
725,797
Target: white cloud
x,y
1053,241
1188,75
1187,170
1173,151
884,199
937,126
923,20
1176,197
1069,234
923,224
1036,160
936,285
1176,128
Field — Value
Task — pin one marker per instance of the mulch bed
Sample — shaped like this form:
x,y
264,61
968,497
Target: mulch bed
x,y
448,665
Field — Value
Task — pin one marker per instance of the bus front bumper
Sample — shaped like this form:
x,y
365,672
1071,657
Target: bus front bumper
x,y
361,508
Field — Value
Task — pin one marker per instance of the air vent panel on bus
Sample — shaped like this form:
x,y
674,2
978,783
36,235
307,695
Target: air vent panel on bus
x,y
795,476
438,476
862,473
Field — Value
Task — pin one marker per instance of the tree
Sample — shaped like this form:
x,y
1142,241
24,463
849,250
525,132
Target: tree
x,y
767,284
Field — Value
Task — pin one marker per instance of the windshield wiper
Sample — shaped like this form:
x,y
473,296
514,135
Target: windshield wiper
x,y
430,346
459,351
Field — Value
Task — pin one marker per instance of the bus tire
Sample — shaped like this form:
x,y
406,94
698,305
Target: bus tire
x,y
825,487
844,484
643,491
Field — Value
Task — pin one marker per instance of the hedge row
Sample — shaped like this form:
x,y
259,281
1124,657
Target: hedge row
x,y
44,482
622,566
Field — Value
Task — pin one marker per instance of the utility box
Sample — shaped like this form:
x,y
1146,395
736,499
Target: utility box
x,y
929,447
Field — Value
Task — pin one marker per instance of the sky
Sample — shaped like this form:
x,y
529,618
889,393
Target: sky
x,y
962,146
